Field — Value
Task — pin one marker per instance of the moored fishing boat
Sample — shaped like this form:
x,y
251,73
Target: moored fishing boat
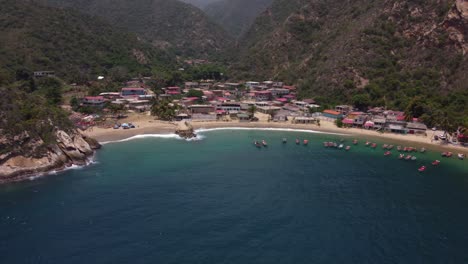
x,y
340,146
384,146
399,148
367,143
390,147
422,168
285,140
422,150
408,157
436,162
414,158
461,156
297,141
348,148
387,153
306,142
401,156
257,144
355,142
447,154
264,143
374,145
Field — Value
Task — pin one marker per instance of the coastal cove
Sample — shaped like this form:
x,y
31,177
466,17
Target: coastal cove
x,y
221,199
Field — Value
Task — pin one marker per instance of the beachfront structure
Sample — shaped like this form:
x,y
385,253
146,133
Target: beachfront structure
x,y
378,123
243,117
399,129
229,107
131,92
331,114
94,101
304,120
139,105
201,109
416,128
270,110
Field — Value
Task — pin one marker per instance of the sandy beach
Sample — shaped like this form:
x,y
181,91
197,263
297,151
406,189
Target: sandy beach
x,y
145,124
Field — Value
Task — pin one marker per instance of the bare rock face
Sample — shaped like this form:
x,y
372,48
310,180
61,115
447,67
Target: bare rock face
x,y
456,24
185,130
27,156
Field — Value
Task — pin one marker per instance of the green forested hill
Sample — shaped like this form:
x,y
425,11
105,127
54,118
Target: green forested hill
x,y
76,46
236,16
168,24
401,54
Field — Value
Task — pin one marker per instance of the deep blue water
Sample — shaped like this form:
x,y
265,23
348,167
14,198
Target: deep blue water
x,y
221,200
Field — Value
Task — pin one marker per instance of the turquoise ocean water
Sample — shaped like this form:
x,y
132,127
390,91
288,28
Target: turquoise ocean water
x,y
222,200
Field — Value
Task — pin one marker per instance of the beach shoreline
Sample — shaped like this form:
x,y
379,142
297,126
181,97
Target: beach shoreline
x,y
146,125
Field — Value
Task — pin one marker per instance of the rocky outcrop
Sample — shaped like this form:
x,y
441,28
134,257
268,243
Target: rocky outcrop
x,y
24,156
456,24
185,130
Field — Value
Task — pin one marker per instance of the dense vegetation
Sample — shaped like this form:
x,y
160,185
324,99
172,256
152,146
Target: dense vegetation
x,y
236,17
168,24
399,54
77,47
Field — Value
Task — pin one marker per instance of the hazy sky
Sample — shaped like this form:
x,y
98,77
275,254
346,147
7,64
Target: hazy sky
x,y
199,3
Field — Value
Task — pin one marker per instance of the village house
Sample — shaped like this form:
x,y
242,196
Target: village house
x,y
358,118
281,116
201,109
251,84
93,101
343,109
232,86
110,95
268,84
269,110
278,85
173,90
416,128
243,117
304,120
139,105
191,85
206,86
278,92
331,114
229,107
377,123
262,95
40,74
132,92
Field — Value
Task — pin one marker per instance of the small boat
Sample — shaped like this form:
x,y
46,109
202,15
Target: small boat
x,y
405,149
297,141
325,144
422,168
414,158
422,150
334,144
285,140
390,147
306,142
347,148
264,143
387,153
385,146
398,148
447,154
367,143
436,162
355,142
340,146
374,145
408,157
402,156
461,156
257,144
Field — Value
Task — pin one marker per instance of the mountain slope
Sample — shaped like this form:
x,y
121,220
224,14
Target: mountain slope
x,y
73,45
200,3
236,16
168,24
364,52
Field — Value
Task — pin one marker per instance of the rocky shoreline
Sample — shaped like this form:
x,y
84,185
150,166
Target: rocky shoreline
x,y
28,157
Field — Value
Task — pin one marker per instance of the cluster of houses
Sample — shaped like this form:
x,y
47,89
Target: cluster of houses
x,y
376,118
235,100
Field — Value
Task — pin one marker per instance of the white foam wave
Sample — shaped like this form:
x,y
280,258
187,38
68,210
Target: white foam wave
x,y
167,136
201,130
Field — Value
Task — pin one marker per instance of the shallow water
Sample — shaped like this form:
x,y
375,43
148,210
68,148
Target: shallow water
x,y
222,200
